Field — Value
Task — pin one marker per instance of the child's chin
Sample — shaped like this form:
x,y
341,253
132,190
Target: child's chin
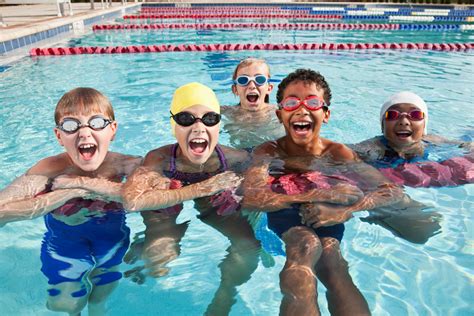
x,y
89,167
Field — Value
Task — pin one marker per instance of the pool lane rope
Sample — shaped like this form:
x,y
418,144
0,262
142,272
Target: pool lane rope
x,y
231,15
55,51
283,26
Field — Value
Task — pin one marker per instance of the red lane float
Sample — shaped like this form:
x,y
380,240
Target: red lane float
x,y
54,51
227,16
219,10
266,26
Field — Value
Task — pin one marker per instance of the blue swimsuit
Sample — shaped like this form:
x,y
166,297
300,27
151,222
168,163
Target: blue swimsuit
x,y
70,252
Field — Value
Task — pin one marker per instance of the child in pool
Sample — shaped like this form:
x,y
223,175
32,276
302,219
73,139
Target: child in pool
x,y
79,193
401,153
251,121
195,168
304,99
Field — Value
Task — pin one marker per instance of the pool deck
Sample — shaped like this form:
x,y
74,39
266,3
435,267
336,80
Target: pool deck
x,y
24,20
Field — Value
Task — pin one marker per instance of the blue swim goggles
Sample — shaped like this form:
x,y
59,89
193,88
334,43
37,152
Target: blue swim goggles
x,y
244,80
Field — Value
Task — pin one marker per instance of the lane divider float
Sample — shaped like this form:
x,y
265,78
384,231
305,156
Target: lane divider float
x,y
227,16
284,26
55,51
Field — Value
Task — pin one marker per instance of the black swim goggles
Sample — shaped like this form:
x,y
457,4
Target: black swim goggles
x,y
244,80
72,125
187,119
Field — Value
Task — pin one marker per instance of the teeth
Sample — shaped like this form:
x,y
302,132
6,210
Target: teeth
x,y
301,123
253,94
86,146
199,141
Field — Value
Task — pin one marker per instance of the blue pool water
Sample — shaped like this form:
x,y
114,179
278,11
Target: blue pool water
x,y
395,276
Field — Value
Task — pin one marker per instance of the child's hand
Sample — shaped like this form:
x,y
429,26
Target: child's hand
x,y
67,182
341,193
322,214
220,182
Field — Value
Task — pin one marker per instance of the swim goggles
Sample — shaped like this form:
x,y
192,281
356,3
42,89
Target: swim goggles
x,y
413,115
72,125
244,80
187,119
312,103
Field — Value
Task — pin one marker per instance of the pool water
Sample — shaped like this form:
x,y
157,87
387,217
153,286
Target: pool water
x,y
395,276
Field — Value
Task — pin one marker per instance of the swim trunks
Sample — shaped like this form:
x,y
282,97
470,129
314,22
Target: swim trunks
x,y
68,253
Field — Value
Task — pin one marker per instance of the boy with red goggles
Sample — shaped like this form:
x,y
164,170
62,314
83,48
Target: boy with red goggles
x,y
308,211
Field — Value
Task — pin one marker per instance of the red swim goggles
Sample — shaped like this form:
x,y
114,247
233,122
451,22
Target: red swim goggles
x,y
312,103
413,115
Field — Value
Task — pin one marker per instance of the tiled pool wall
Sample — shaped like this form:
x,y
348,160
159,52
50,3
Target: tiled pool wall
x,y
10,46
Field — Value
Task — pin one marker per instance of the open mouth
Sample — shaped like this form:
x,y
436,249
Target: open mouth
x,y
252,97
403,134
198,145
87,151
302,127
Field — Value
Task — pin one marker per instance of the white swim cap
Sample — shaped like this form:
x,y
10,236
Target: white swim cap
x,y
405,97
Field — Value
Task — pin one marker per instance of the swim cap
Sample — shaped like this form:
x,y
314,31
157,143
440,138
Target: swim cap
x,y
405,97
192,94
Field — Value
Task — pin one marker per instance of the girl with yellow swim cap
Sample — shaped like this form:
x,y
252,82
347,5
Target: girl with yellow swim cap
x,y
195,168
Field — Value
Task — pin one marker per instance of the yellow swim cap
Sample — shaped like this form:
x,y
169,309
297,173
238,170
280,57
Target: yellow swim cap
x,y
192,94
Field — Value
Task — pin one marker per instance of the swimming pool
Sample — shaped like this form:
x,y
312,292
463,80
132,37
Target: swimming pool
x,y
396,277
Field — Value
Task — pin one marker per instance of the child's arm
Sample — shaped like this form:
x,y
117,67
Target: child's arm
x,y
148,189
258,195
20,200
103,187
382,193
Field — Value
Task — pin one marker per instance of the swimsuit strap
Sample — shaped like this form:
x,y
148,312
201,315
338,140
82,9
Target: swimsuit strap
x,y
223,161
174,151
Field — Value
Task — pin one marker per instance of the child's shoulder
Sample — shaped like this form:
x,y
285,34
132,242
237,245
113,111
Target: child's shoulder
x,y
267,148
124,163
51,166
158,155
234,155
339,151
370,149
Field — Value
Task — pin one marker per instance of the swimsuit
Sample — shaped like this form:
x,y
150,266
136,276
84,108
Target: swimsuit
x,y
70,252
180,179
187,178
282,220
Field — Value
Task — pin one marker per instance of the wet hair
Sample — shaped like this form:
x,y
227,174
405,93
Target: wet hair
x,y
83,101
308,76
247,62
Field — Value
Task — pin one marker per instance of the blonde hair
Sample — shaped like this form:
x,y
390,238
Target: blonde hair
x,y
83,101
247,62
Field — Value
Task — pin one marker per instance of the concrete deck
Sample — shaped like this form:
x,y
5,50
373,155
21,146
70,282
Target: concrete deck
x,y
23,20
